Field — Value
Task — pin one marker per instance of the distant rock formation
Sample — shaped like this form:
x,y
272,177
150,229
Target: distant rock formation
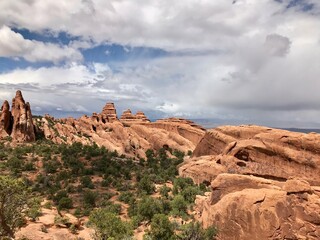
x,y
141,116
127,117
264,182
109,112
18,123
131,135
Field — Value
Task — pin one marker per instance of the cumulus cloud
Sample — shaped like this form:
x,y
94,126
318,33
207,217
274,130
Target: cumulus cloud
x,y
166,24
244,59
74,88
14,45
277,45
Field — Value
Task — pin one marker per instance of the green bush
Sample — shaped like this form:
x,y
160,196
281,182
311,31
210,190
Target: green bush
x,y
146,185
179,205
65,203
161,228
90,198
87,182
126,197
148,207
108,225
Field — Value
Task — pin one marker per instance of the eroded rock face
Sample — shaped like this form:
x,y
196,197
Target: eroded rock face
x,y
5,120
256,208
22,129
128,118
18,123
265,152
109,112
264,182
141,116
132,135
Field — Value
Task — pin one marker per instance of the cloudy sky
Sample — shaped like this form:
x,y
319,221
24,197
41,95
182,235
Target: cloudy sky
x,y
242,61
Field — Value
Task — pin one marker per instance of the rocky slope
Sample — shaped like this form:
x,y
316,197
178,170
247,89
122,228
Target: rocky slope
x,y
264,182
131,135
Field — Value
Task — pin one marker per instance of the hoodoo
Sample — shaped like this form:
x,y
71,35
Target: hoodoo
x,y
17,123
109,112
128,117
5,119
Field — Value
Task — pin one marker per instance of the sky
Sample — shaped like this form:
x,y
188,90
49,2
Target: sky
x,y
235,61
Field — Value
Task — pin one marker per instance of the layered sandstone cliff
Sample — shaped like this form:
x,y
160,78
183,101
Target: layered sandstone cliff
x,y
248,207
131,135
17,123
259,151
264,182
131,139
128,118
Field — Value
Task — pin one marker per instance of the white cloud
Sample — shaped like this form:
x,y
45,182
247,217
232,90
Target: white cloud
x,y
13,45
167,24
251,59
277,45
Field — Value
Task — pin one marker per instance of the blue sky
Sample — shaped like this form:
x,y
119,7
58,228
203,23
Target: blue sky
x,y
243,61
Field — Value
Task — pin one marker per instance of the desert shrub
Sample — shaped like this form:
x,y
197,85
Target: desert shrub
x,y
108,225
90,198
195,231
87,182
65,203
179,205
161,228
146,185
148,207
126,197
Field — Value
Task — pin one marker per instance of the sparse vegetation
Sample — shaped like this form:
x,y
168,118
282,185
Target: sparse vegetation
x,y
15,205
93,181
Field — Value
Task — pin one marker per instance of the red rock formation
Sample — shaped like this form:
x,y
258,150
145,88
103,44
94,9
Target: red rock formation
x,y
5,120
247,207
18,124
127,115
128,118
261,151
22,129
141,116
109,113
263,182
183,127
132,135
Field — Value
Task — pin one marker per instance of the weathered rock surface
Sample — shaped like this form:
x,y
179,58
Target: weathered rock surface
x,y
45,228
5,120
247,207
131,135
264,182
141,116
260,151
18,123
128,118
109,113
